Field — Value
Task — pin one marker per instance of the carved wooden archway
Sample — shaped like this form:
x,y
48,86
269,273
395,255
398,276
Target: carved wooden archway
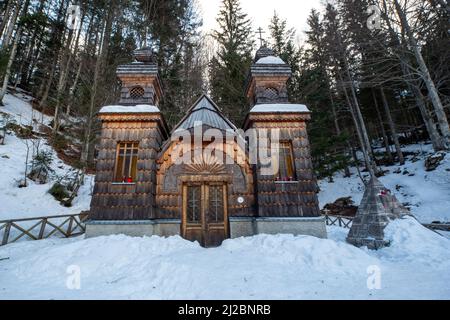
x,y
235,172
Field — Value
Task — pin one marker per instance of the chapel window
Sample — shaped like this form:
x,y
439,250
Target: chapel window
x,y
137,93
194,204
286,170
271,93
126,162
216,205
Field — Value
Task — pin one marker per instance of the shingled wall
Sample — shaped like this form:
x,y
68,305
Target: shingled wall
x,y
287,199
118,201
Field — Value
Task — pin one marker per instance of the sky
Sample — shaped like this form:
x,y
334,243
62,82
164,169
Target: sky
x,y
260,12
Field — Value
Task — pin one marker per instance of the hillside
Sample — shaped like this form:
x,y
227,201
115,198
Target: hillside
x,y
426,194
34,200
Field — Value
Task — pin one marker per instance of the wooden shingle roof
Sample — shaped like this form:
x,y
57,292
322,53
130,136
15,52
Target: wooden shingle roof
x,y
208,113
137,68
144,63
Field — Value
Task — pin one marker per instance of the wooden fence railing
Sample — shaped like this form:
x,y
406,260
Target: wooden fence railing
x,y
438,226
74,225
346,222
42,228
340,221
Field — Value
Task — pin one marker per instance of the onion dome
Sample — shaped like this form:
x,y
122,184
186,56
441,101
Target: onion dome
x,y
144,55
263,52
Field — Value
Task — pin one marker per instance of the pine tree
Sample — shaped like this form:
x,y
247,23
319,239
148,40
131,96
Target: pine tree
x,y
173,33
345,71
17,37
315,89
375,68
424,72
282,42
401,42
229,69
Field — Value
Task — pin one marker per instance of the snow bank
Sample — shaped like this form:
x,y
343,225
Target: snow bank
x,y
260,267
270,60
140,108
269,108
413,242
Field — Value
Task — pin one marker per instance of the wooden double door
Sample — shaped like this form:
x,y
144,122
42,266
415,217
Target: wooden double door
x,y
205,217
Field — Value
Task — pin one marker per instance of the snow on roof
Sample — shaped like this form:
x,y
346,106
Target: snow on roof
x,y
140,108
270,60
286,107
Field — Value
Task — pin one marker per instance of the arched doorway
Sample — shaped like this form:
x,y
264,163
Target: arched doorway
x,y
205,212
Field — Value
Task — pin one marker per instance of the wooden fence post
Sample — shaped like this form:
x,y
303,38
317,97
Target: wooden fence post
x,y
42,231
6,234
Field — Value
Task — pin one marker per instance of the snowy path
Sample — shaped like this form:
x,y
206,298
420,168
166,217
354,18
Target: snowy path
x,y
261,267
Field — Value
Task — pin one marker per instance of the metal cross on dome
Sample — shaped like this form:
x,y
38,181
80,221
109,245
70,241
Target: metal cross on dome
x,y
261,31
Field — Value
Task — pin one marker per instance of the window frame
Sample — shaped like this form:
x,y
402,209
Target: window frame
x,y
271,93
134,153
279,179
216,206
132,95
198,206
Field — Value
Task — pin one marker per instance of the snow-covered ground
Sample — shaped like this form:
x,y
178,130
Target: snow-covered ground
x,y
427,194
415,266
18,106
34,200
